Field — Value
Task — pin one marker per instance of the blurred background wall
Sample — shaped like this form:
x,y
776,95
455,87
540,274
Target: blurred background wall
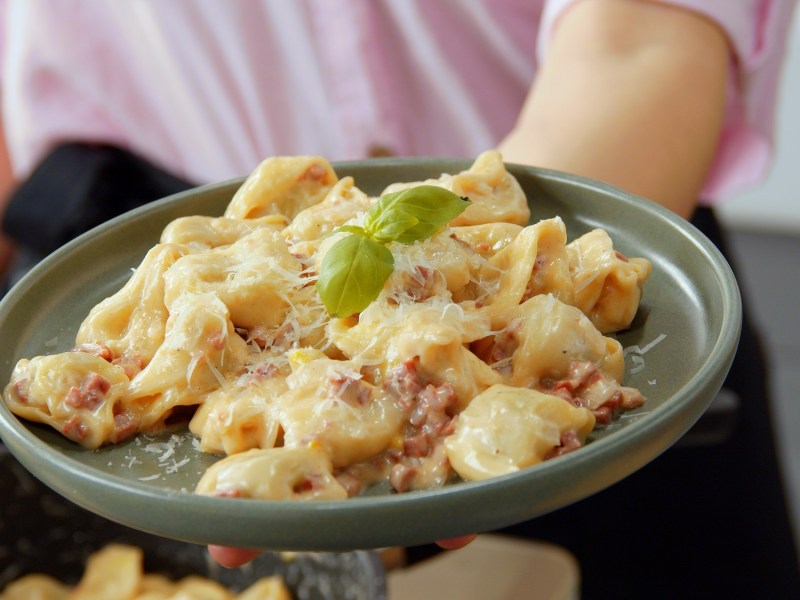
x,y
765,226
774,206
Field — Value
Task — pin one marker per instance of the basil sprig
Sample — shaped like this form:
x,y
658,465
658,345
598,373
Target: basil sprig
x,y
356,267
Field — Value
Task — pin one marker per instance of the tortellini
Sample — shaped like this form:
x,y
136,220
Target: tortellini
x,y
330,405
117,571
282,185
495,194
507,428
235,418
131,323
81,395
484,353
535,262
607,284
551,336
204,233
273,474
342,203
200,347
253,276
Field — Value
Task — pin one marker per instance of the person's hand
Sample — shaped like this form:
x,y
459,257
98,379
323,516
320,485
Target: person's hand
x,y
236,557
457,542
232,557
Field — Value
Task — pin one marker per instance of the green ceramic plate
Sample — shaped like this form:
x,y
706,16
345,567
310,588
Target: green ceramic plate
x,y
678,352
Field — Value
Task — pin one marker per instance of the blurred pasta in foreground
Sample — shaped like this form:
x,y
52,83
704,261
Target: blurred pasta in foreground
x,y
115,572
487,350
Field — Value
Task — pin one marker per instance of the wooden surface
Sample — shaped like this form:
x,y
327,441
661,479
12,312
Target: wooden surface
x,y
491,568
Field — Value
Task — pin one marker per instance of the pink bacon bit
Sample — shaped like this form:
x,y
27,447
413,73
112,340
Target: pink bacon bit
x,y
402,476
349,389
303,486
315,172
350,482
216,340
497,350
614,400
581,374
418,284
569,443
607,412
417,446
75,429
257,335
432,411
21,390
125,427
131,364
404,382
281,338
265,370
586,386
631,398
96,349
430,419
308,483
90,394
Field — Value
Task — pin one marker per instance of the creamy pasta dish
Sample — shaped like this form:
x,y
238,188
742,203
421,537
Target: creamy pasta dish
x,y
486,350
116,572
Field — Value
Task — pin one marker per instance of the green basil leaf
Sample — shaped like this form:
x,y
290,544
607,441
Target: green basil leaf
x,y
412,214
351,229
352,274
391,224
355,269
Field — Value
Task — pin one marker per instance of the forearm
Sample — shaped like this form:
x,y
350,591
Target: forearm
x,y
631,93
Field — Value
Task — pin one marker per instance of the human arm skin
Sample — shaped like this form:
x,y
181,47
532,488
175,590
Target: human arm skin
x,y
631,93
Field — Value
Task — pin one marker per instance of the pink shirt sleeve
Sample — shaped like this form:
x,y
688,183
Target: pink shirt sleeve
x,y
758,32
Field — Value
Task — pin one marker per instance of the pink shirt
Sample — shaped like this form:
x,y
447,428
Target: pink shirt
x,y
207,89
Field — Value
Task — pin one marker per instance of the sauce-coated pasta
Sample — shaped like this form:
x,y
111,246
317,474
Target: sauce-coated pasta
x,y
487,350
115,572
